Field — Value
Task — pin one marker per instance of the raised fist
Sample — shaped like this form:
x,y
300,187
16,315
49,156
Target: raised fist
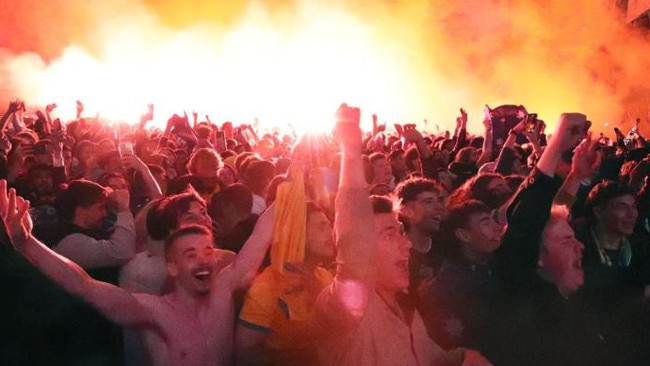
x,y
347,130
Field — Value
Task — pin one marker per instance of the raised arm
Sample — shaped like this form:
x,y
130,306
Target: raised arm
x,y
13,107
529,211
342,305
486,152
353,224
249,259
584,163
116,304
150,183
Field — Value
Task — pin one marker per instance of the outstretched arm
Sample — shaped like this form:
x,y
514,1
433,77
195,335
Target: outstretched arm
x,y
115,303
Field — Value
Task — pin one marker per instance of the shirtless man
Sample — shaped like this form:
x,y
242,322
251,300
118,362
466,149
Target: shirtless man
x,y
192,325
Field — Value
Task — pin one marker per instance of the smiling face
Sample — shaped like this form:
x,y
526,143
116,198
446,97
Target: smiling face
x,y
425,212
191,262
618,215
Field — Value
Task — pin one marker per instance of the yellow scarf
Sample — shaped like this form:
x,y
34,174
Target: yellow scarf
x,y
290,226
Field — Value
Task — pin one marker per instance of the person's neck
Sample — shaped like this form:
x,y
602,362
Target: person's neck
x,y
390,298
607,239
420,240
474,256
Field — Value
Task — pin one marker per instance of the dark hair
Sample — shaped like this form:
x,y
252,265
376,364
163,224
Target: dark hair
x,y
381,204
104,178
377,156
409,189
184,231
605,191
163,218
272,189
39,167
237,195
380,189
259,174
464,155
476,187
410,157
395,154
80,193
457,216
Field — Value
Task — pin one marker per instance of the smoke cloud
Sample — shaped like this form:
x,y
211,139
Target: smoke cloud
x,y
294,61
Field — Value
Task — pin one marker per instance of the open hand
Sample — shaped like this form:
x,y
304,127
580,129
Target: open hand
x,y
586,159
14,106
14,213
134,162
411,134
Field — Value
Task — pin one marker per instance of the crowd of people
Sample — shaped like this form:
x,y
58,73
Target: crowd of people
x,y
208,243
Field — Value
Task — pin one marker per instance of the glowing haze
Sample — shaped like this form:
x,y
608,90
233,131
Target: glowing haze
x,y
295,61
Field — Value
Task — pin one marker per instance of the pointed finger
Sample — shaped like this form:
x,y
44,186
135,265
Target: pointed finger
x,y
11,208
3,198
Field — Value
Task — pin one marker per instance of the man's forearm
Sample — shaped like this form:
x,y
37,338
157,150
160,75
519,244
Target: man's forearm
x,y
58,268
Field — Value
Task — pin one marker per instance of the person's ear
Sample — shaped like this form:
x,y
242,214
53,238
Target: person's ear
x,y
406,211
462,234
172,269
598,213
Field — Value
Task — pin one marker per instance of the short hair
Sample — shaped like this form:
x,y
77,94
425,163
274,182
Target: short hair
x,y
377,156
457,216
410,157
464,155
184,231
395,154
80,193
236,195
409,189
605,191
203,153
381,204
104,178
162,219
259,174
83,144
380,189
